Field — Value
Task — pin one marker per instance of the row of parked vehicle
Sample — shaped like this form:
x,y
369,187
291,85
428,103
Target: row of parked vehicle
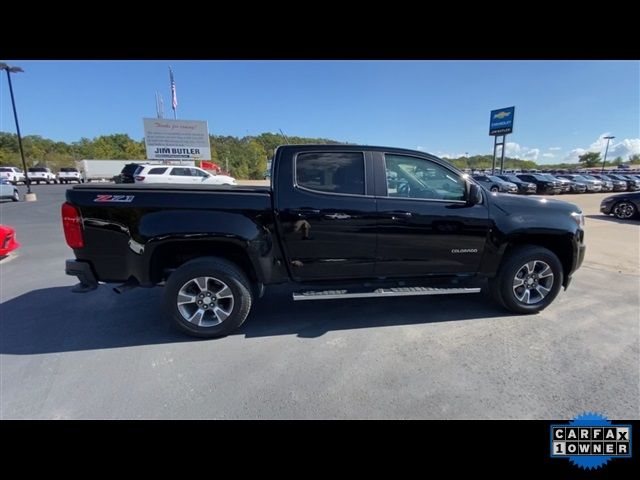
x,y
38,175
556,183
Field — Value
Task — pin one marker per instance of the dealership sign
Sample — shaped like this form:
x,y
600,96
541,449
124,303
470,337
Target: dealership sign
x,y
176,139
501,121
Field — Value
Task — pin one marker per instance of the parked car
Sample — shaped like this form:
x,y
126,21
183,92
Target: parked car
x,y
8,190
327,227
8,242
565,185
571,186
12,174
41,174
593,186
127,174
607,185
632,184
544,183
523,187
618,185
69,174
177,174
496,184
623,206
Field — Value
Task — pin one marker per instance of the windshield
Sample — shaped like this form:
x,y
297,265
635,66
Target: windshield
x,y
5,169
496,179
545,177
68,170
37,169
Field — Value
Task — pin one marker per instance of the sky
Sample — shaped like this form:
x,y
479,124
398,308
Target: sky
x,y
563,108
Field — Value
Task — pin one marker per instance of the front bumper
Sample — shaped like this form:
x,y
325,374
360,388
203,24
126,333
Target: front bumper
x,y
606,208
579,250
82,270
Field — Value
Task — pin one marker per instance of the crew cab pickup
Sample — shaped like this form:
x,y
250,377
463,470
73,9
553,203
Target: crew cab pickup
x,y
338,222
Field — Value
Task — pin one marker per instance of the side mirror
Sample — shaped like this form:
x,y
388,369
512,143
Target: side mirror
x,y
474,194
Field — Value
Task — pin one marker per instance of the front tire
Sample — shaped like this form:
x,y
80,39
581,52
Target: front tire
x,y
528,280
16,196
624,210
495,189
208,297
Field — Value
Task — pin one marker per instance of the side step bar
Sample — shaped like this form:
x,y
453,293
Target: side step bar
x,y
381,292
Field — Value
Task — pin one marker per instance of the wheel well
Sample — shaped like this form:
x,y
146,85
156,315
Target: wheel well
x,y
174,254
560,246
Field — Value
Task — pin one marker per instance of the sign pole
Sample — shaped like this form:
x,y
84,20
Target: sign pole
x,y
504,144
495,146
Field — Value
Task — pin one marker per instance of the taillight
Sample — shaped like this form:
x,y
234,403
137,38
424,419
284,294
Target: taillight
x,y
72,225
140,178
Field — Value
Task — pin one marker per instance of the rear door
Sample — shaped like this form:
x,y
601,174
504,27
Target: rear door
x,y
425,225
327,214
180,175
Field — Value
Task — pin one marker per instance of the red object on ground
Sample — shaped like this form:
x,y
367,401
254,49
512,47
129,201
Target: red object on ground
x,y
8,241
209,166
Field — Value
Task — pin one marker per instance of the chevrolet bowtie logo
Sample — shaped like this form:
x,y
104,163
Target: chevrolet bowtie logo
x,y
501,115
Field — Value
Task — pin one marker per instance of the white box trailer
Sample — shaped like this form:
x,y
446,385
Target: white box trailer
x,y
105,170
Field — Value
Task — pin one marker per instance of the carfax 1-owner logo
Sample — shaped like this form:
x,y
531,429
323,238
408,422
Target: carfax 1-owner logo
x,y
590,440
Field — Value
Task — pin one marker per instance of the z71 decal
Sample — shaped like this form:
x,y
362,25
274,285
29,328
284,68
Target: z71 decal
x,y
114,198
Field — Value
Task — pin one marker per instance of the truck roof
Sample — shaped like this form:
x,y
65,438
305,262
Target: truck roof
x,y
350,146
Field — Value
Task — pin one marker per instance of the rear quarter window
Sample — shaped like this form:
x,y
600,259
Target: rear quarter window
x,y
157,171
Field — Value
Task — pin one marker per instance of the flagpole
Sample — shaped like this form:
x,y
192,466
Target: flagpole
x,y
174,98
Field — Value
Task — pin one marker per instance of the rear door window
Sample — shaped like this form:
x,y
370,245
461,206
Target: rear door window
x,y
157,171
331,172
181,172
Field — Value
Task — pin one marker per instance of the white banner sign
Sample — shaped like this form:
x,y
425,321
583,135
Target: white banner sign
x,y
176,139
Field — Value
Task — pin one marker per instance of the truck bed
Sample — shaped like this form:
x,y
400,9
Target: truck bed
x,y
173,187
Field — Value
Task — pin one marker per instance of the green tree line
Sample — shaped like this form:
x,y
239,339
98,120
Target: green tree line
x,y
244,157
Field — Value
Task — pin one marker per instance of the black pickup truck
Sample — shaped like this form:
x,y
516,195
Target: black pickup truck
x,y
339,221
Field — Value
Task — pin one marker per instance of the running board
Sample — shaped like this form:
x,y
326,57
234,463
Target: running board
x,y
381,292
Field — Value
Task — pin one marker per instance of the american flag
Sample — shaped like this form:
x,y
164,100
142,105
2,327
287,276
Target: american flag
x,y
174,98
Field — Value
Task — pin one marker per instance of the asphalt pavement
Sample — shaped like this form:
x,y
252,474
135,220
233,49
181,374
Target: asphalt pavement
x,y
103,355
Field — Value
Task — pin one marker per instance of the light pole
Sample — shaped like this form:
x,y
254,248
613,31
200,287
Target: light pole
x,y
606,150
10,70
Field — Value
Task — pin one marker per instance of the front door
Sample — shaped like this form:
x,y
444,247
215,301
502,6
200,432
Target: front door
x,y
424,223
328,222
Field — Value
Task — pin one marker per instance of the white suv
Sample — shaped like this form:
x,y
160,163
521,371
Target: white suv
x,y
41,174
12,174
69,174
179,174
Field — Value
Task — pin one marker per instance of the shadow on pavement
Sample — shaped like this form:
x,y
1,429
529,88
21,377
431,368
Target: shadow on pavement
x,y
56,320
611,218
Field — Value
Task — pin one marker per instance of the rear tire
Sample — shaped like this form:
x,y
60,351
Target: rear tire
x,y
528,281
225,303
16,196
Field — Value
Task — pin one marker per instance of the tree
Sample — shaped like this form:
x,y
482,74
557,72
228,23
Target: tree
x,y
590,159
635,158
617,161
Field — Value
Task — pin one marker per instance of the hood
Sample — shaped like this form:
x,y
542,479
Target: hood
x,y
513,203
226,178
